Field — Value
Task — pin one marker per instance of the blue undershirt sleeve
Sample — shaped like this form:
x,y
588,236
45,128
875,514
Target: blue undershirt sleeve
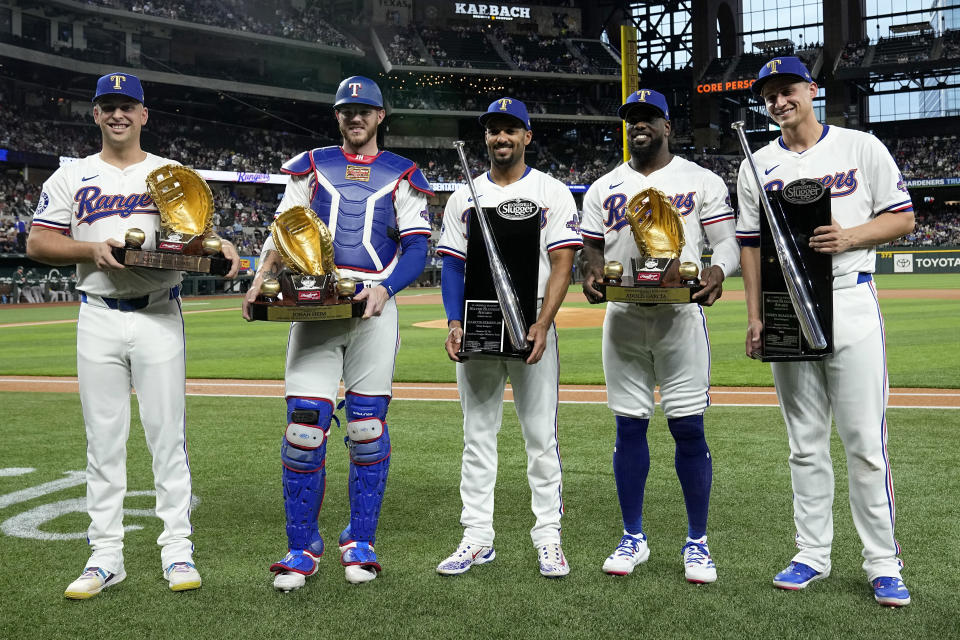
x,y
452,276
410,265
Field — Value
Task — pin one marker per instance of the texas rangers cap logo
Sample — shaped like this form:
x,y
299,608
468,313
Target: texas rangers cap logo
x,y
355,89
504,103
117,79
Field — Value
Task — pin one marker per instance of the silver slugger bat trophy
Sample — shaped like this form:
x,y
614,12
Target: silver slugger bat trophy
x,y
506,293
798,286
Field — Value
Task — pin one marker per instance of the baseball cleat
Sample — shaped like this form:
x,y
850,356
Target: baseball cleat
x,y
798,576
182,576
359,561
698,566
466,555
891,592
553,564
92,581
292,571
631,551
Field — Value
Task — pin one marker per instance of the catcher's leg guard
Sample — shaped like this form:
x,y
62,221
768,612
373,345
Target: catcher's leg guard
x,y
369,445
303,453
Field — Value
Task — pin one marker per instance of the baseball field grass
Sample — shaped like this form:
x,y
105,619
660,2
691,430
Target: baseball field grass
x,y
238,522
238,514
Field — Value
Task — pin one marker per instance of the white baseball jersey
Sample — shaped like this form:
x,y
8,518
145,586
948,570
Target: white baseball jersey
x,y
91,201
661,344
857,168
410,206
852,383
535,387
699,194
559,223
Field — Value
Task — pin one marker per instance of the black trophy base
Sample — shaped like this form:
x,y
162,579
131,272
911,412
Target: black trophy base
x,y
280,312
485,335
215,265
783,340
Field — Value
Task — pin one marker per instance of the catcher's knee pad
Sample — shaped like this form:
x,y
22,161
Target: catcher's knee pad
x,y
303,453
369,442
688,434
367,436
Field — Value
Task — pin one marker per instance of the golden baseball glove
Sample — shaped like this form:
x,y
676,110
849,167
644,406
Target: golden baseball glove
x,y
656,224
183,198
304,242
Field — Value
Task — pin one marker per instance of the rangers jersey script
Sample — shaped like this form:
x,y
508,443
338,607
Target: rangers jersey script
x,y
92,201
856,167
559,222
699,195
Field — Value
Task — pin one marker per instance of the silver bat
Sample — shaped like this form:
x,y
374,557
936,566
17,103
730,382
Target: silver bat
x,y
506,293
797,285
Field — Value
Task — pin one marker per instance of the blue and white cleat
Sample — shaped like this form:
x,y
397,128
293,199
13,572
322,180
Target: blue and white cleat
x,y
698,566
891,592
553,564
466,555
359,561
798,576
92,581
292,571
631,551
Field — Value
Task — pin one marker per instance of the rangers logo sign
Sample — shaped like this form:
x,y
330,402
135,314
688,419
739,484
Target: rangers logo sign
x,y
355,172
803,191
517,209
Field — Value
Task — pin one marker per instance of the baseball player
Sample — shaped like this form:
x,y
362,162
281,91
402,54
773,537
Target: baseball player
x,y
535,382
870,206
666,344
129,334
375,204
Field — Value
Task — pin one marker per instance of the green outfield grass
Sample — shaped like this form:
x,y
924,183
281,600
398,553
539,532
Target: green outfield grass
x,y
239,532
220,344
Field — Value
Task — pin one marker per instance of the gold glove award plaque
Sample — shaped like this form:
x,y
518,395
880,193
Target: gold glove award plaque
x,y
185,241
657,276
309,287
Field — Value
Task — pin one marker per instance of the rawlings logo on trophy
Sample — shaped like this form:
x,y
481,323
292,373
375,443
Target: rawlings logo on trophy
x,y
657,276
309,287
185,241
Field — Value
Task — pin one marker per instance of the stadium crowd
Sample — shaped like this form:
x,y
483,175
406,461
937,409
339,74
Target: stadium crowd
x,y
312,24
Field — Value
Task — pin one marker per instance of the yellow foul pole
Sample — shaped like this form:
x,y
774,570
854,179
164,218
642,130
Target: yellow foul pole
x,y
628,71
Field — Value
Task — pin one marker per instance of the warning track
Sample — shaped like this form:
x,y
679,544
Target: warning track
x,y
569,394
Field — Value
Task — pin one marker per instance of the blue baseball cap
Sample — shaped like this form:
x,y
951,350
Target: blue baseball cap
x,y
507,107
782,66
647,97
359,90
119,83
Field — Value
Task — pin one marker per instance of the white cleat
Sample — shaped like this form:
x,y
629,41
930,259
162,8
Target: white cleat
x,y
358,574
287,581
182,576
466,555
553,564
631,551
698,566
92,581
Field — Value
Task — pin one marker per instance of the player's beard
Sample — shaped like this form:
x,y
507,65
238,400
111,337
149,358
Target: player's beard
x,y
358,139
645,152
505,162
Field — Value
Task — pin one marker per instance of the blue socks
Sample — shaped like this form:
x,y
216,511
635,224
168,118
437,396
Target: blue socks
x,y
631,463
694,469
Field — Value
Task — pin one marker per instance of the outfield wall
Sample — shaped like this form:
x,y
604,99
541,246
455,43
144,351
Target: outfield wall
x,y
944,259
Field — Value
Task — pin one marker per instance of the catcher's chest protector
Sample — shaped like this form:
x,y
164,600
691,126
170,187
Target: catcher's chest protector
x,y
355,200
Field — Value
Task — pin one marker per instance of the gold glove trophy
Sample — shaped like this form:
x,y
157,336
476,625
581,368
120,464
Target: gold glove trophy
x,y
657,277
185,241
309,287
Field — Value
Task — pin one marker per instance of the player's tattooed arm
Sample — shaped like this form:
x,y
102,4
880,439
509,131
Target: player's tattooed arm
x,y
593,266
270,267
561,264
